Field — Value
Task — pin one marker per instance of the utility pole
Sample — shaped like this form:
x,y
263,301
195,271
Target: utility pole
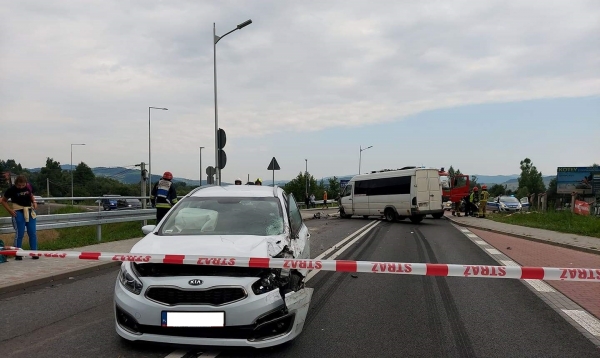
x,y
144,176
48,187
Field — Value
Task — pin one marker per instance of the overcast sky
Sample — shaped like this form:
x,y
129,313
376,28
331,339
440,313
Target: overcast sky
x,y
475,84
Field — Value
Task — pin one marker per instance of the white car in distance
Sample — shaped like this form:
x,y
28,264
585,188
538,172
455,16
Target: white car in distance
x,y
218,305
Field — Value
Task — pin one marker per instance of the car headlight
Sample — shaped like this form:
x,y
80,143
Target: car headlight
x,y
519,206
503,205
266,284
129,281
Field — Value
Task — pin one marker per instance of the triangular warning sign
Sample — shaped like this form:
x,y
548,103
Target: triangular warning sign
x,y
273,165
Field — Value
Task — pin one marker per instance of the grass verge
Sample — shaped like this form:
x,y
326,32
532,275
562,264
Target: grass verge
x,y
561,221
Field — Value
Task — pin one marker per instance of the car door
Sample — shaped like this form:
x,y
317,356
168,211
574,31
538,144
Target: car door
x,y
346,199
524,203
298,231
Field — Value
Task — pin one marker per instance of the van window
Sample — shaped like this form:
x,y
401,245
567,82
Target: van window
x,y
347,190
383,186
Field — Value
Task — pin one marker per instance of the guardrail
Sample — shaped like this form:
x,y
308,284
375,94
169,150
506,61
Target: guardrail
x,y
59,221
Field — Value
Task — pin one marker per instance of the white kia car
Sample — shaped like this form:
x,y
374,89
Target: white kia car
x,y
218,305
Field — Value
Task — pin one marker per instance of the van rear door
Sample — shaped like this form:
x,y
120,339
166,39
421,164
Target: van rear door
x,y
429,196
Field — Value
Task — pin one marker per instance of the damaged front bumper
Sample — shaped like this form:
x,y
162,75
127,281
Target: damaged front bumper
x,y
258,321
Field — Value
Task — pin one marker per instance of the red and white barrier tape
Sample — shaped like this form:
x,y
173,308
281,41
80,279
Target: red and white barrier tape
x,y
398,268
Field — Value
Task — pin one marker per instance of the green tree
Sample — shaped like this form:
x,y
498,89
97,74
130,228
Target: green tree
x,y
297,186
334,188
530,180
60,183
83,174
497,190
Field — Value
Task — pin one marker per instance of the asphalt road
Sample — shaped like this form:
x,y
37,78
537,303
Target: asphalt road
x,y
365,315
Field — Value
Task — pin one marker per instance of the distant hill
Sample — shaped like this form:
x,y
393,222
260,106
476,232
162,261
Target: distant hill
x,y
132,176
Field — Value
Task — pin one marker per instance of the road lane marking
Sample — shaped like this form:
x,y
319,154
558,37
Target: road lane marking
x,y
540,286
493,251
340,251
509,263
585,320
334,247
480,242
177,354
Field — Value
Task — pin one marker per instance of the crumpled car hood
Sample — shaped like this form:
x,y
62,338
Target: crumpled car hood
x,y
212,245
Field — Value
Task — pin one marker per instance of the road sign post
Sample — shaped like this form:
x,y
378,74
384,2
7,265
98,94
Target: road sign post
x,y
273,166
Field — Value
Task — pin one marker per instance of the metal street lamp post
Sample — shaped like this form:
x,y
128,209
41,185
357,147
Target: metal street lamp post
x,y
150,151
306,174
200,183
360,156
215,40
72,170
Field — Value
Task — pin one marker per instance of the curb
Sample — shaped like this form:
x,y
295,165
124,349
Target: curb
x,y
59,276
530,238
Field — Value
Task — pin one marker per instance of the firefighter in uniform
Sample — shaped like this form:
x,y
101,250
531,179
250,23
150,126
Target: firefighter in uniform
x,y
163,196
474,199
483,199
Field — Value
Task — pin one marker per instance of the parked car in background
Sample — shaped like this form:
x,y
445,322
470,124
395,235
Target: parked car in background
x,y
110,202
504,204
129,204
448,205
525,204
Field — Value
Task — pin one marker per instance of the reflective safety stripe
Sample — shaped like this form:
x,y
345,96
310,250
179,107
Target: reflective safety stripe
x,y
163,205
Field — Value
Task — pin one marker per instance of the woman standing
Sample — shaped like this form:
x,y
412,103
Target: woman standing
x,y
22,211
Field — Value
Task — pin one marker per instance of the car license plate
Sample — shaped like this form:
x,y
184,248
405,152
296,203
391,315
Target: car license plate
x,y
193,319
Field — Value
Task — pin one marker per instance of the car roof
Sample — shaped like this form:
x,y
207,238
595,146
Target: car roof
x,y
249,191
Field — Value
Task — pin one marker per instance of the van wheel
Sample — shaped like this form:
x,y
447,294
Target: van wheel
x,y
365,216
343,214
416,219
390,215
438,215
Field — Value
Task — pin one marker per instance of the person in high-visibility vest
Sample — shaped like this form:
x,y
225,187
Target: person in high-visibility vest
x,y
474,200
483,199
163,196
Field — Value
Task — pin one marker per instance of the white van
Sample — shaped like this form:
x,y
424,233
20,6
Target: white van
x,y
394,194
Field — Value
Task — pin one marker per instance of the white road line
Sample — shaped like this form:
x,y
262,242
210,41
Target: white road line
x,y
465,230
209,354
540,286
334,247
509,263
480,242
473,236
585,320
177,354
493,251
340,251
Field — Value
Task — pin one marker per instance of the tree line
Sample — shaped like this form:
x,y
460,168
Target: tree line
x,y
85,182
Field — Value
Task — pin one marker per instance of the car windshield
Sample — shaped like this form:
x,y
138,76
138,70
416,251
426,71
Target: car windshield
x,y
509,199
225,216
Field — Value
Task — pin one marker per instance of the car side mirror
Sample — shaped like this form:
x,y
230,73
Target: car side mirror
x,y
147,229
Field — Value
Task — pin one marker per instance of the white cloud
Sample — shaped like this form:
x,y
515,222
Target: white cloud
x,y
92,68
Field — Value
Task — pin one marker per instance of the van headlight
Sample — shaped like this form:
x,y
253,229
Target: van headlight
x,y
129,280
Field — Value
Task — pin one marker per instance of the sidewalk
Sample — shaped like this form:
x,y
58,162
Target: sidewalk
x,y
17,275
571,241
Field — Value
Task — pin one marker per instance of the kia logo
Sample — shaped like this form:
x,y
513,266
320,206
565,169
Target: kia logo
x,y
195,282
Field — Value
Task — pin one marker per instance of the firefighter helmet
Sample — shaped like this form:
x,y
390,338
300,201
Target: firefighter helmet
x,y
475,189
168,175
484,187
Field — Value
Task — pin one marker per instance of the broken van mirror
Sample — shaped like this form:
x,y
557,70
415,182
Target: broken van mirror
x,y
148,229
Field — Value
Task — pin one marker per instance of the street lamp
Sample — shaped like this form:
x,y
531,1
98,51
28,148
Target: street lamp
x,y
200,184
72,170
360,156
215,40
149,151
306,174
